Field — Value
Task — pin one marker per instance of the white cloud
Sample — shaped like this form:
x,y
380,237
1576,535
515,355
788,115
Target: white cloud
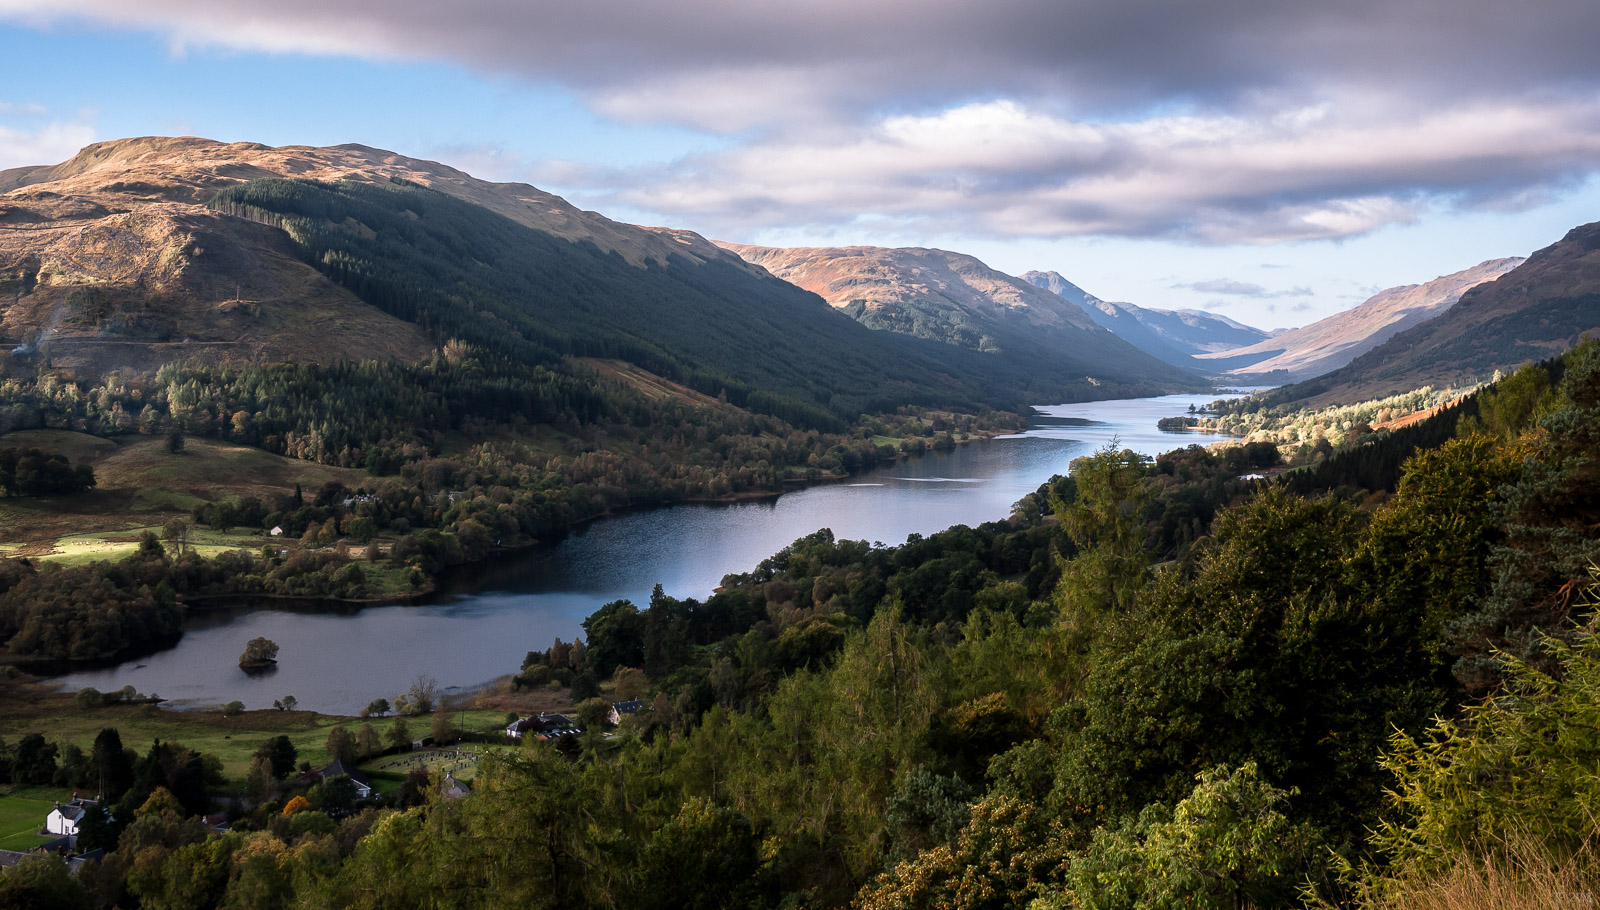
x,y
42,143
1239,288
1001,168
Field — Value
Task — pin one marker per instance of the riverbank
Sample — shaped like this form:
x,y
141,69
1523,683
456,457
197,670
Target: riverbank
x,y
33,705
487,615
340,575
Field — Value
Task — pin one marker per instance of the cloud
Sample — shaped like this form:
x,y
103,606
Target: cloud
x,y
1240,289
733,63
1004,169
1232,121
1225,286
40,143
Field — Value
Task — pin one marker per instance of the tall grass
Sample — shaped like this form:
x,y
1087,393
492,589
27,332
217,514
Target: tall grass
x,y
1521,874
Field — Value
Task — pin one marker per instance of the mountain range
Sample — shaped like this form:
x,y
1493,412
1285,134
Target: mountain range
x,y
141,252
956,299
1536,310
1174,336
144,251
1327,344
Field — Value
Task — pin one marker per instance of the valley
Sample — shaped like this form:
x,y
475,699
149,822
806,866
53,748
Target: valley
x,y
486,616
866,571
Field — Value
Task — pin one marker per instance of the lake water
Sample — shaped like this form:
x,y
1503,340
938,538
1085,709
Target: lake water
x,y
337,662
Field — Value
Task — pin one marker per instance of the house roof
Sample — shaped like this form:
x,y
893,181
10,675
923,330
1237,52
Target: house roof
x,y
337,768
541,723
628,707
69,812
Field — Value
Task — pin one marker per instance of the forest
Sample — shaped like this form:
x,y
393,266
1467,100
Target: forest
x,y
524,422
466,453
1155,685
460,271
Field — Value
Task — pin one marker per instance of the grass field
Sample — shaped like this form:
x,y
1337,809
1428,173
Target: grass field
x,y
83,548
22,814
38,709
141,485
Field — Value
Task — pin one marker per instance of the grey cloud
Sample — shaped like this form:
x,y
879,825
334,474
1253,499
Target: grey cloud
x,y
1240,289
736,64
1225,286
1233,121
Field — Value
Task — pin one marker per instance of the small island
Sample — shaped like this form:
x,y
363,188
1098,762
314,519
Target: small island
x,y
259,654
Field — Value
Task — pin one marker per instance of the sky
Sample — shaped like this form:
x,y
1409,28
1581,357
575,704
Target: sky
x,y
1275,162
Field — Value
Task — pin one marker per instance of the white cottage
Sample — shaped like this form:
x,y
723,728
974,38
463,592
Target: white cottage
x,y
64,818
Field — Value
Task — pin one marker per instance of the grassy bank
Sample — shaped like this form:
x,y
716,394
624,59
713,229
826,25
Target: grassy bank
x,y
36,707
22,813
140,485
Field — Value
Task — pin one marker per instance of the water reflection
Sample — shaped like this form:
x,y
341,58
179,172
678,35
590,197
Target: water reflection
x,y
490,617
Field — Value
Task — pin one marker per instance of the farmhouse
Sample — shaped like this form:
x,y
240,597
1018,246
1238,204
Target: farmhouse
x,y
64,818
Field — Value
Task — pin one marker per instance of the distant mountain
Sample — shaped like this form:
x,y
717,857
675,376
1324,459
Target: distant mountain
x,y
1534,311
1331,343
956,299
1174,336
146,251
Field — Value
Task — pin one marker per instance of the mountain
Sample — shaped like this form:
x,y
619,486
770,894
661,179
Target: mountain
x,y
1536,310
113,260
957,300
146,251
1331,343
189,171
1173,336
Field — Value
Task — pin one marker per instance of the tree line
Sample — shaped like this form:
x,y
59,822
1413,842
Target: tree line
x,y
31,472
1345,696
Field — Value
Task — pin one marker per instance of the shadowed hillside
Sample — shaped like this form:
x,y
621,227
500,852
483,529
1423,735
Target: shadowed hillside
x,y
1530,313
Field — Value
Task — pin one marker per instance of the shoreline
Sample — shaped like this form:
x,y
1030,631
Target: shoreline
x,y
47,669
